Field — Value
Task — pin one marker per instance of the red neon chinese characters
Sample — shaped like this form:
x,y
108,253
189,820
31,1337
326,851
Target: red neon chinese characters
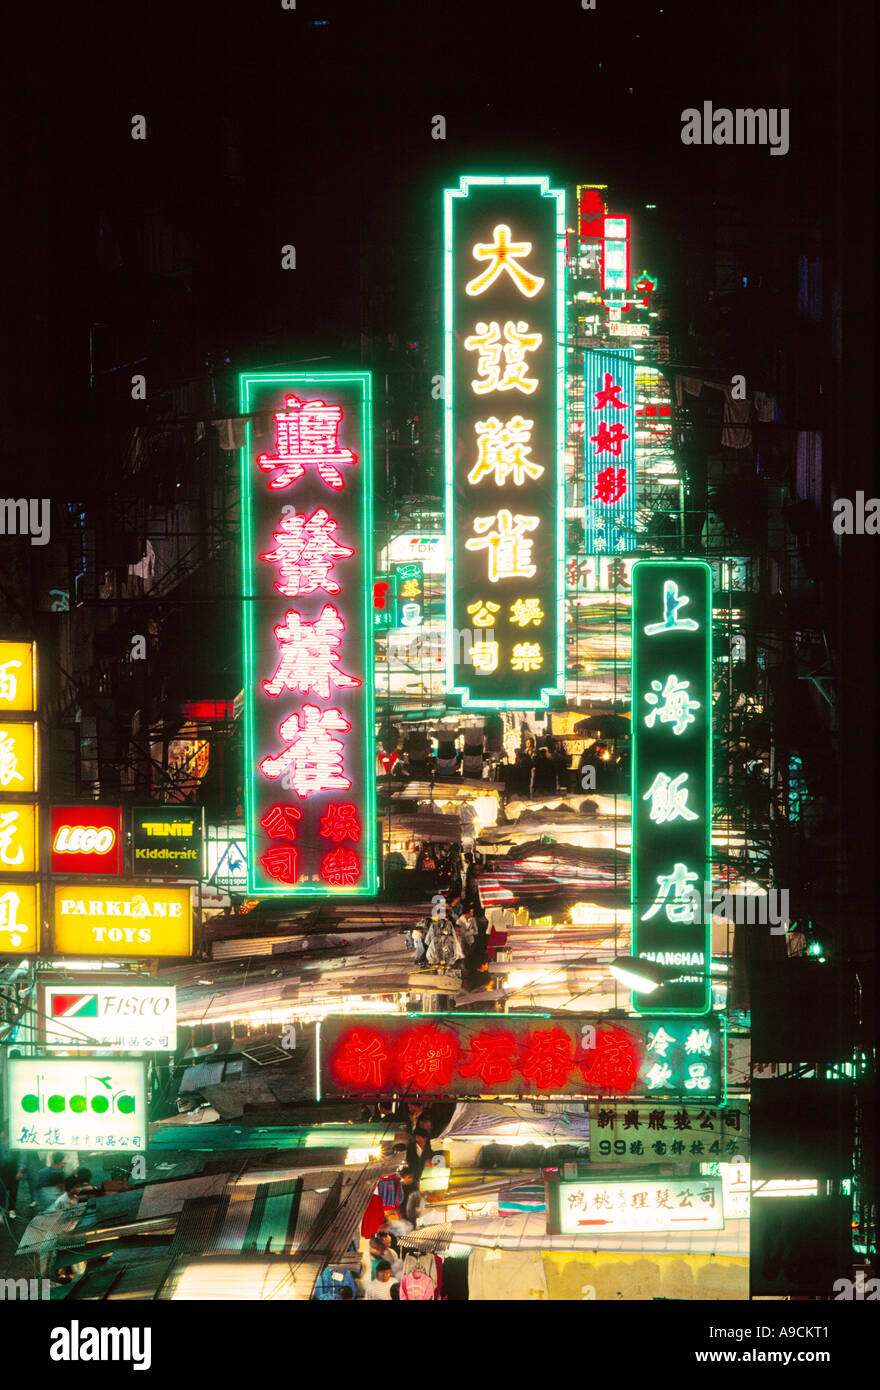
x,y
340,822
426,1058
309,652
548,1059
281,862
306,550
610,438
306,433
609,395
279,822
610,485
614,1062
363,1060
341,867
491,1056
313,759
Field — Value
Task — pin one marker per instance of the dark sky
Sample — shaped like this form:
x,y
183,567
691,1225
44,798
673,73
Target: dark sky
x,y
329,109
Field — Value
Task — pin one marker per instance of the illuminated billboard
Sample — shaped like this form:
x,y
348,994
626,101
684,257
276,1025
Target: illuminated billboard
x,y
308,634
128,920
504,437
19,919
122,1017
672,777
166,842
18,678
19,758
455,1056
67,1103
19,847
598,1207
86,840
609,451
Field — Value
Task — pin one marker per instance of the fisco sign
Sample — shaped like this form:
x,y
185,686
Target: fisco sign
x,y
86,839
122,920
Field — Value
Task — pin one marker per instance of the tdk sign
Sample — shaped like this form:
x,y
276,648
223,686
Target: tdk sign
x,y
86,839
166,842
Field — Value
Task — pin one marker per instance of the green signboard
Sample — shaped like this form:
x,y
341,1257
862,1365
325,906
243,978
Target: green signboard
x,y
672,778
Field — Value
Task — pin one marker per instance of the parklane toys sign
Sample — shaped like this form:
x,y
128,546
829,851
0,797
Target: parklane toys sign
x,y
505,369
453,1057
86,839
66,1103
308,634
127,920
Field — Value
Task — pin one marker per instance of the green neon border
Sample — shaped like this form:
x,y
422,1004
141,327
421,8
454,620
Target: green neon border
x,y
262,379
463,191
707,926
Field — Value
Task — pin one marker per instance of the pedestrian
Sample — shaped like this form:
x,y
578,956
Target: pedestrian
x,y
67,1199
10,1175
48,1182
379,1287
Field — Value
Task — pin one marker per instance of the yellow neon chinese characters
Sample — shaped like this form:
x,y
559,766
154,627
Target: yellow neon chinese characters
x,y
486,342
503,254
527,656
526,610
509,548
502,450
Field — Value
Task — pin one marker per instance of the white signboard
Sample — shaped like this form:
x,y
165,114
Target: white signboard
x,y
429,551
112,1018
73,1104
655,1204
227,857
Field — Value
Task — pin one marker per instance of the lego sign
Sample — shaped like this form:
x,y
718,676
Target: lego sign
x,y
127,920
449,1056
86,839
308,634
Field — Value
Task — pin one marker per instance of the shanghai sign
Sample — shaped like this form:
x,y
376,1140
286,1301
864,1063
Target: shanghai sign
x,y
504,436
308,634
521,1055
672,776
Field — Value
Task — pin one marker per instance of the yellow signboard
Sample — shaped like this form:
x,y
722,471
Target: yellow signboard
x,y
19,919
18,677
18,757
18,837
122,920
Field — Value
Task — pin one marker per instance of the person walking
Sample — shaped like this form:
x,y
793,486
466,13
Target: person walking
x,y
48,1182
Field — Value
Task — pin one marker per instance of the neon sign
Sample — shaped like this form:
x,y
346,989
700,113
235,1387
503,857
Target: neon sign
x,y
671,775
308,623
609,451
522,1055
504,438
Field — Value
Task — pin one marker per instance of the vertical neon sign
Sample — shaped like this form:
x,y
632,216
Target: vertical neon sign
x,y
504,298
306,472
610,451
672,776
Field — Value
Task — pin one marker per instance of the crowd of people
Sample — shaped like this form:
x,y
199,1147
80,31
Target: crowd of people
x,y
456,936
54,1182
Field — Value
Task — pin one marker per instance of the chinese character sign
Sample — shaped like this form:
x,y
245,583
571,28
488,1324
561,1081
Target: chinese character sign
x,y
651,1204
409,579
308,634
639,1134
609,451
504,436
671,772
18,678
19,918
516,1055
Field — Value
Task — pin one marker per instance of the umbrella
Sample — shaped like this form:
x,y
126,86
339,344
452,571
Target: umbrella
x,y
605,724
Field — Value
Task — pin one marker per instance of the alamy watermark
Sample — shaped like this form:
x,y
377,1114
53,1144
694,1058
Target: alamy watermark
x,y
742,126
856,518
743,909
25,1290
26,516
